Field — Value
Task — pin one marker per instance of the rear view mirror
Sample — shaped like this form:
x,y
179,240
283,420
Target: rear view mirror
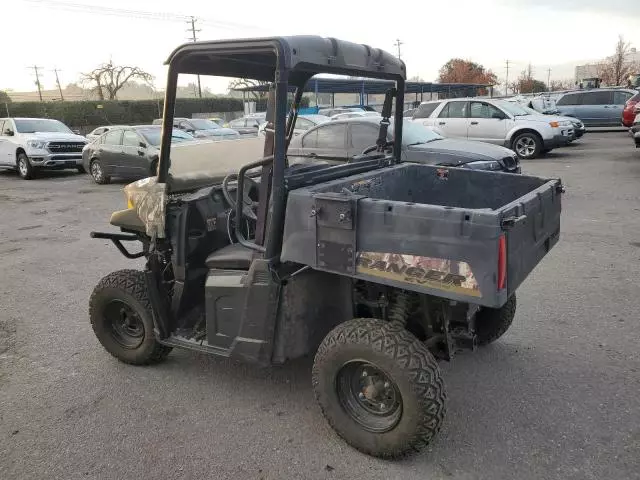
x,y
142,145
498,116
8,132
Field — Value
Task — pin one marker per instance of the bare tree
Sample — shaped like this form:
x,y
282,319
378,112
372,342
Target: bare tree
x,y
557,85
617,68
249,83
108,79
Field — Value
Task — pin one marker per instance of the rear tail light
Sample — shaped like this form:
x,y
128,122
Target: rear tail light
x,y
502,262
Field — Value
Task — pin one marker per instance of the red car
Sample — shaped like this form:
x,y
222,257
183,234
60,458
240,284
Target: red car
x,y
629,113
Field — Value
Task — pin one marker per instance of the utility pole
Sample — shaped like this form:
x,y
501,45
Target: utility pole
x,y
506,88
58,82
193,31
549,79
397,45
35,69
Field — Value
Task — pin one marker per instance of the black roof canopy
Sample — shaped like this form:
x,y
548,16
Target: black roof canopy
x,y
302,56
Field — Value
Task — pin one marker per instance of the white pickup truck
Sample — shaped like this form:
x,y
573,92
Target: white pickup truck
x,y
31,144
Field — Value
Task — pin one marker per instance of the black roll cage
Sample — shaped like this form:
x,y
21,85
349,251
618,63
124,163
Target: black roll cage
x,y
287,62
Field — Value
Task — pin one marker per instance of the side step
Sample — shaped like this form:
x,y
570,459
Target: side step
x,y
196,345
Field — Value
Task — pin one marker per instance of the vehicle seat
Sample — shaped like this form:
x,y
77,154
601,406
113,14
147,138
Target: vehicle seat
x,y
232,257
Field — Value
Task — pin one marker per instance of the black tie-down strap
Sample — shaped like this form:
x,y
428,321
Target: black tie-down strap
x,y
384,123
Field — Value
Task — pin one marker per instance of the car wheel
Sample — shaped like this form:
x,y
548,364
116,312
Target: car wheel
x,y
122,320
97,173
379,387
25,170
527,145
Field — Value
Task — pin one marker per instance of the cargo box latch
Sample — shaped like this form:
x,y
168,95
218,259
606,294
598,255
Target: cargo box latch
x,y
335,215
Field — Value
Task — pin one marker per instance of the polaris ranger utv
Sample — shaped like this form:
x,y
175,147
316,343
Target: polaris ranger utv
x,y
376,267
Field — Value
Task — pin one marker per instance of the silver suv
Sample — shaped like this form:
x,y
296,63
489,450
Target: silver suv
x,y
599,107
496,121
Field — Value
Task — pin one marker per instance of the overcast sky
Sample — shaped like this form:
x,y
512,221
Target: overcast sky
x,y
77,35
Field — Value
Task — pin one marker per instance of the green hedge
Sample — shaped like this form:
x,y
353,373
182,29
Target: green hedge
x,y
127,112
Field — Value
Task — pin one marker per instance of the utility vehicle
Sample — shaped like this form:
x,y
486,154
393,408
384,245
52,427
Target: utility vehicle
x,y
378,268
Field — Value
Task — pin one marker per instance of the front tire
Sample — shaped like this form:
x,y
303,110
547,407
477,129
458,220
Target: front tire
x,y
25,170
527,145
120,313
379,387
492,323
97,173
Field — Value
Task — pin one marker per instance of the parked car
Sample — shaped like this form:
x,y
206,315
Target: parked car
x,y
629,111
635,129
96,132
496,121
331,111
599,107
341,140
303,123
245,125
344,116
578,127
31,144
130,152
202,128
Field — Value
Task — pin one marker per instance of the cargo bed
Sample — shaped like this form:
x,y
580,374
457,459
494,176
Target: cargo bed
x,y
461,234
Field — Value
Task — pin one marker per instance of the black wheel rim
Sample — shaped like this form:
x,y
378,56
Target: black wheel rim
x,y
124,324
369,396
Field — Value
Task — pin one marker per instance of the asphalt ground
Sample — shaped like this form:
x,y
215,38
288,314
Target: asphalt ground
x,y
558,397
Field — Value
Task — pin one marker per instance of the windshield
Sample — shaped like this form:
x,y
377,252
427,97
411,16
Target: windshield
x,y
203,124
153,135
416,134
40,125
510,107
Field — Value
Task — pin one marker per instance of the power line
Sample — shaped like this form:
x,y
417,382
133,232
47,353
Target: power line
x,y
123,12
58,82
397,45
192,21
35,69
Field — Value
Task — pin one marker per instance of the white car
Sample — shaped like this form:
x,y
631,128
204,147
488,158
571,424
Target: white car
x,y
303,123
96,132
344,116
31,144
496,121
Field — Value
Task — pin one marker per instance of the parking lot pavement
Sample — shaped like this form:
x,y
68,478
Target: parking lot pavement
x,y
556,398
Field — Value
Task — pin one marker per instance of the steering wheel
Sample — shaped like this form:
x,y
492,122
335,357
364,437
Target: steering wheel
x,y
249,207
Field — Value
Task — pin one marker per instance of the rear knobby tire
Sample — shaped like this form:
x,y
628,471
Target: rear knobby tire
x,y
120,313
492,323
407,368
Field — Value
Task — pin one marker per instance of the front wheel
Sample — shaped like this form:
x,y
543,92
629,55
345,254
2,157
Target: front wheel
x,y
25,170
97,173
120,313
379,387
527,145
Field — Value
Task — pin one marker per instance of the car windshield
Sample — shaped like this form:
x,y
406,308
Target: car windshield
x,y
512,108
416,134
34,125
203,124
153,135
